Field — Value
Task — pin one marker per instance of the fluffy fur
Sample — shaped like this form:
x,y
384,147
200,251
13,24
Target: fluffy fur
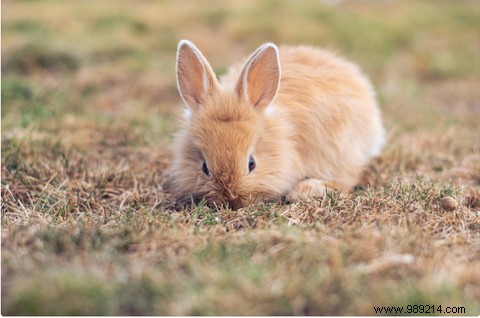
x,y
308,117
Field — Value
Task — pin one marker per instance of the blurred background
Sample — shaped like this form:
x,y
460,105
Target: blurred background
x,y
89,103
112,63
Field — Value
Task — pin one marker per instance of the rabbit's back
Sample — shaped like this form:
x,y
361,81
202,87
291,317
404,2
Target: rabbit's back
x,y
333,109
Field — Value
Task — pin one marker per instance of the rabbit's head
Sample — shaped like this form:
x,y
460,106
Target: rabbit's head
x,y
222,153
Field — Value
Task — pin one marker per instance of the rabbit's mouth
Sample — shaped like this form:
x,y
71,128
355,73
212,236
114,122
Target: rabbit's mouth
x,y
203,199
235,203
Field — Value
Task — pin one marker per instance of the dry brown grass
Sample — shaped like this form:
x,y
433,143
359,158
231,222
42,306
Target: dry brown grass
x,y
88,102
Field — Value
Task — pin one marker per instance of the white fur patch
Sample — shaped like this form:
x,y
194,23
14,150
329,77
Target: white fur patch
x,y
270,110
187,113
378,145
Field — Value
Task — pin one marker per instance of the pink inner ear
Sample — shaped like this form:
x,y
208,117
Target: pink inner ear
x,y
190,76
262,77
194,75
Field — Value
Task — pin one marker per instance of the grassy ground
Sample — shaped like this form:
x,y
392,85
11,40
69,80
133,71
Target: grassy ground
x,y
88,108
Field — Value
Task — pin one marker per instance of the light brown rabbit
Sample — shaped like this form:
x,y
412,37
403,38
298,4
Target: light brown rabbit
x,y
288,123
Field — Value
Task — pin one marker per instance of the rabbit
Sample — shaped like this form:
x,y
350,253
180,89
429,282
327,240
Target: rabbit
x,y
289,122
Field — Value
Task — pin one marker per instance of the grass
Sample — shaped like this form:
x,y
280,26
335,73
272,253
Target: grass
x,y
88,108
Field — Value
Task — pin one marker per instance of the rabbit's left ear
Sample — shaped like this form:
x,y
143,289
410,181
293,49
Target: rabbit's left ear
x,y
195,77
260,78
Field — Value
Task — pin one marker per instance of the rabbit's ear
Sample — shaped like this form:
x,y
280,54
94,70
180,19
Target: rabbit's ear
x,y
260,78
195,77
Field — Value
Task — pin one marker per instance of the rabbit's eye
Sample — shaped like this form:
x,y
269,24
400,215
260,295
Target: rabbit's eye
x,y
251,164
205,169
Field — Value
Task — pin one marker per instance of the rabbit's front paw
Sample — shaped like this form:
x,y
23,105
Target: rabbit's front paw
x,y
310,188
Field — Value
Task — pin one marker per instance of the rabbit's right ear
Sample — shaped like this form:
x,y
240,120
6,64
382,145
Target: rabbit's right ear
x,y
260,78
195,77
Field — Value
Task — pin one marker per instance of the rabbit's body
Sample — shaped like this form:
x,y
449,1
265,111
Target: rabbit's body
x,y
321,128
